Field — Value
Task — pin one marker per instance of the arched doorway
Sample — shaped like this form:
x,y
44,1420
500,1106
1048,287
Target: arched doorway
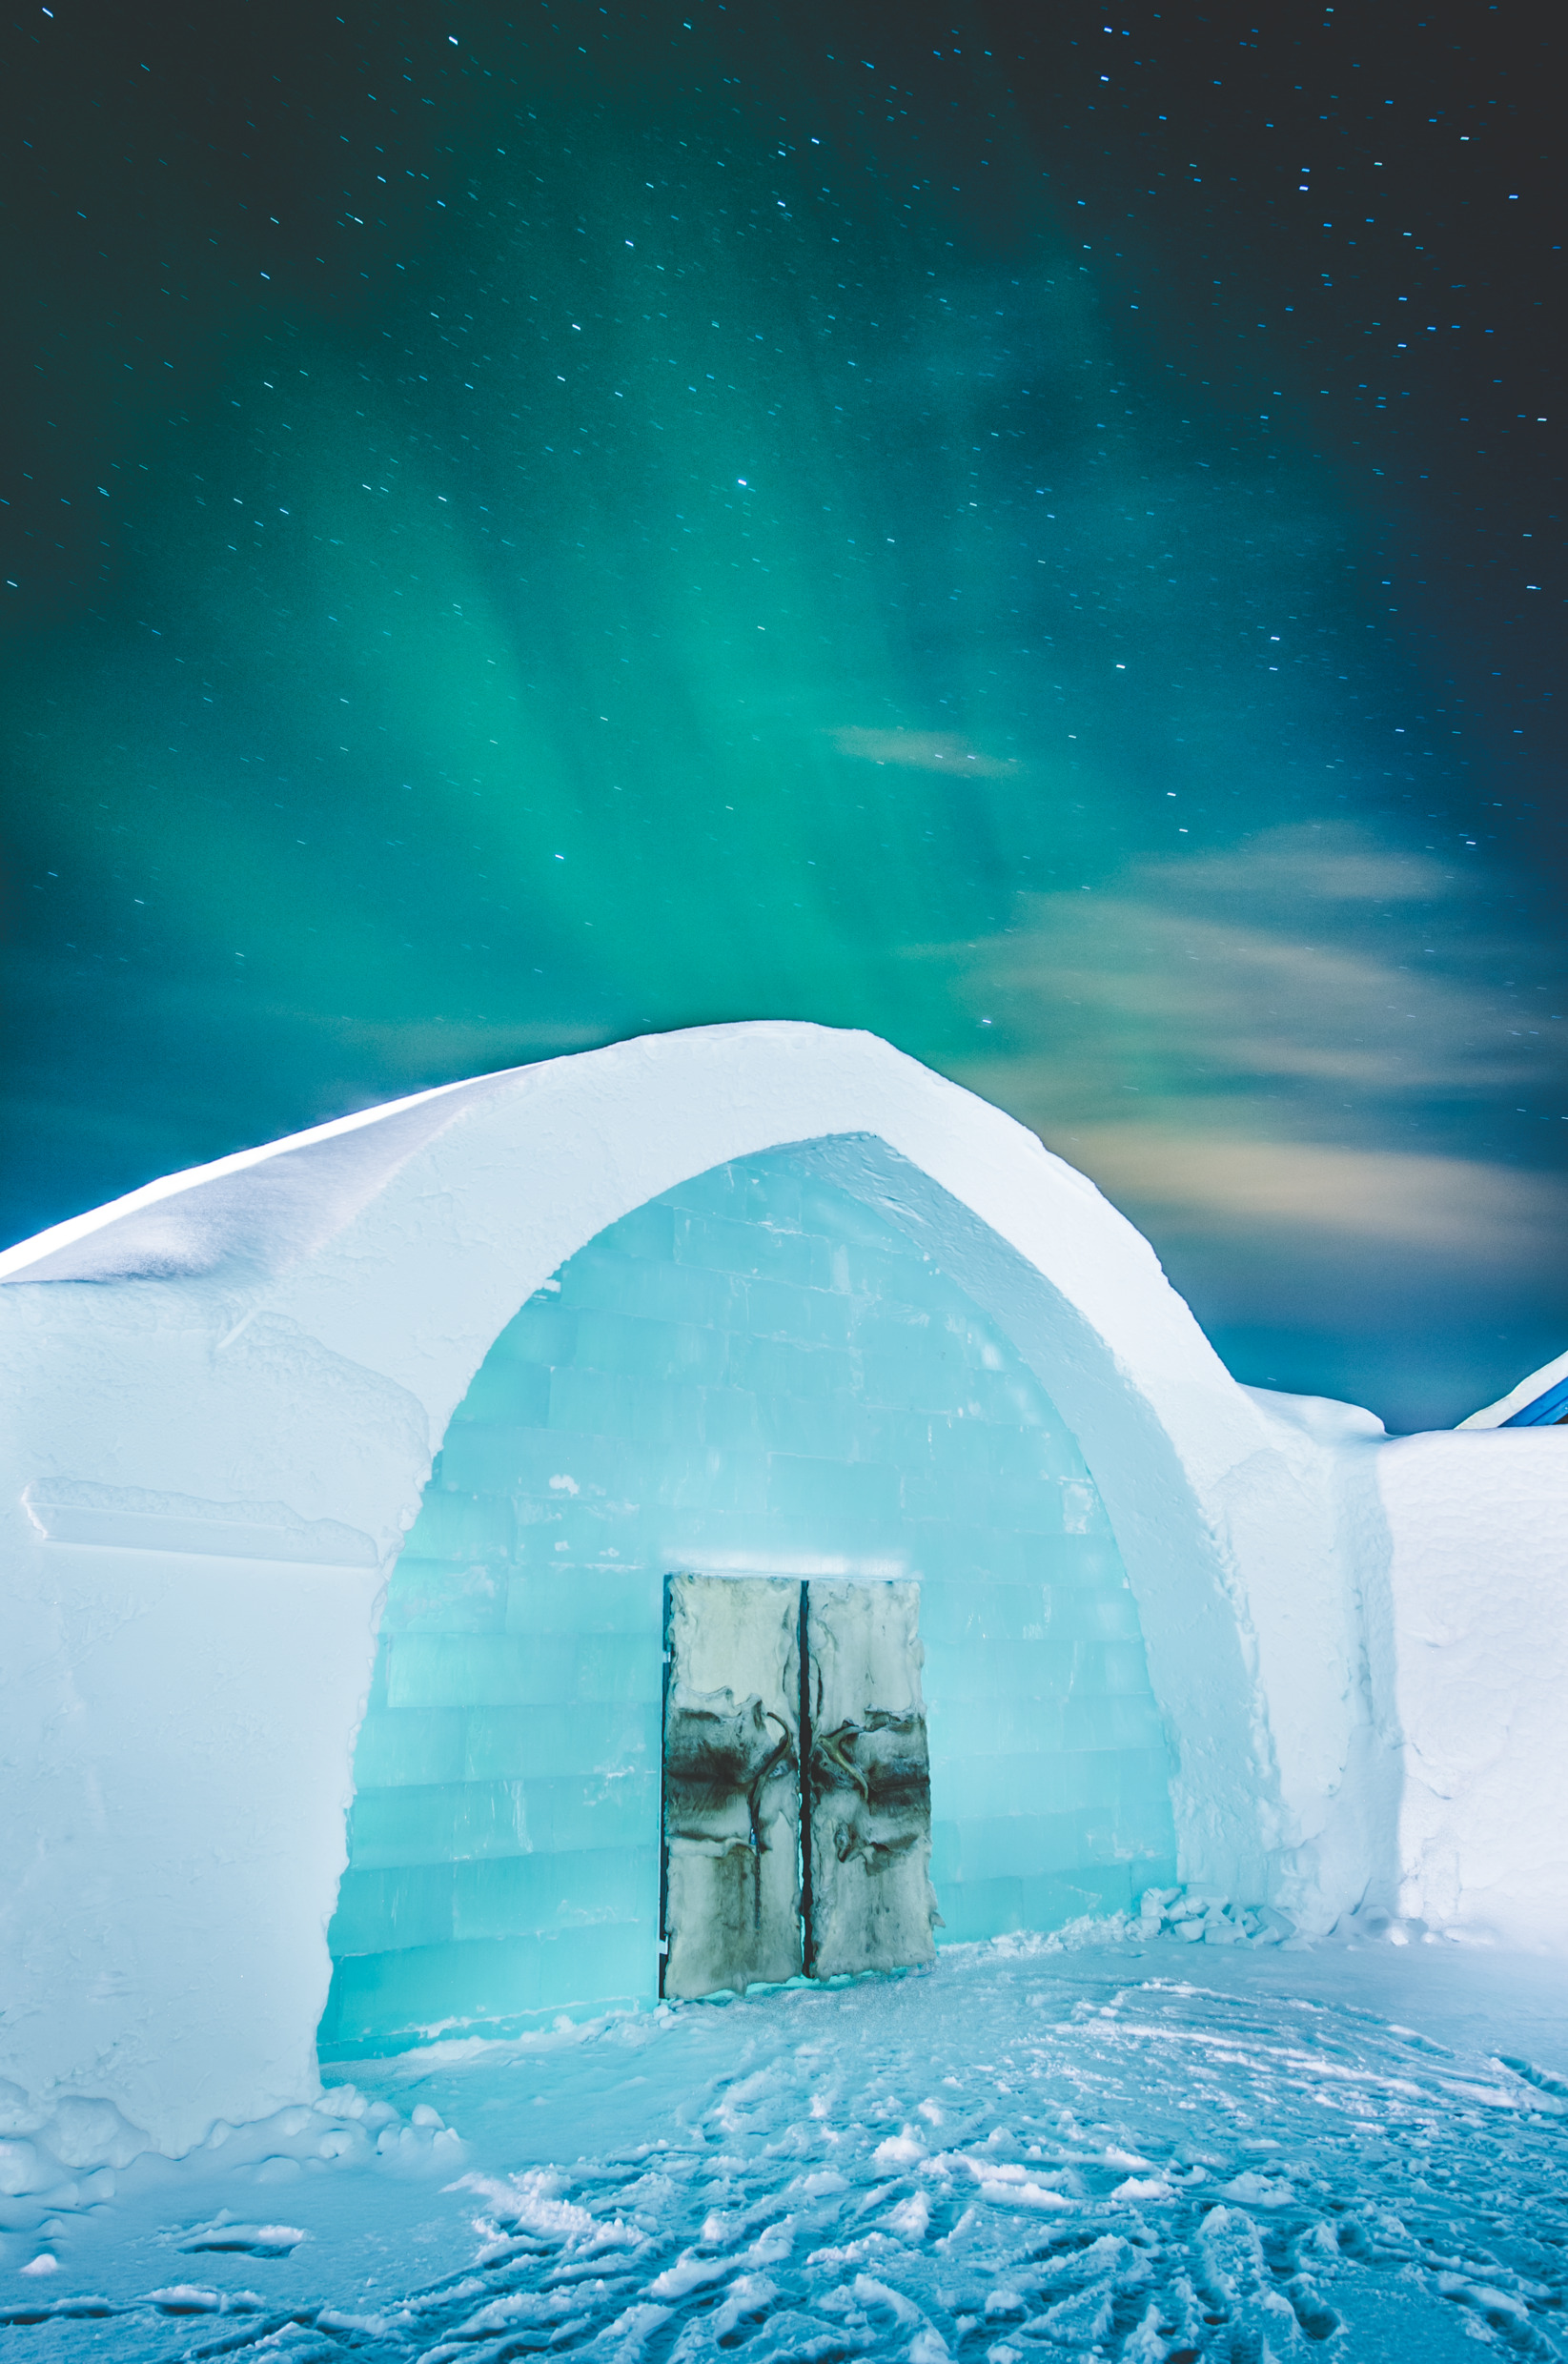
x,y
755,1371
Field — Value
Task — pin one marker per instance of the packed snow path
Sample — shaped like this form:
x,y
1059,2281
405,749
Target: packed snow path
x,y
1019,2155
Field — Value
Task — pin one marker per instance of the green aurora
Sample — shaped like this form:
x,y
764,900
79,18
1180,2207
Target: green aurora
x,y
700,527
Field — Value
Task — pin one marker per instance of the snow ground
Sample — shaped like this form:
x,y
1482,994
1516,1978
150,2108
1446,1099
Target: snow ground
x,y
1146,2151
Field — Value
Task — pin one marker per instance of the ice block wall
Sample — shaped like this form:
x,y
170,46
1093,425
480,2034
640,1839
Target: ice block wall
x,y
754,1373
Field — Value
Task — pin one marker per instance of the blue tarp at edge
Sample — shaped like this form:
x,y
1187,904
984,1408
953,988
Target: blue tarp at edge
x,y
1545,1411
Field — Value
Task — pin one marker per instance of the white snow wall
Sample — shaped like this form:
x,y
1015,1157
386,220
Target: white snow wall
x,y
754,1373
1479,1614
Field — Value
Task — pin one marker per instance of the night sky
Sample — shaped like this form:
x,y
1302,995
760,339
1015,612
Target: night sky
x,y
1034,532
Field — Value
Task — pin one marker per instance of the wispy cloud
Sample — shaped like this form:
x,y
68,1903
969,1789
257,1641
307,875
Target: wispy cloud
x,y
923,750
1247,1042
1299,867
1462,1208
1175,999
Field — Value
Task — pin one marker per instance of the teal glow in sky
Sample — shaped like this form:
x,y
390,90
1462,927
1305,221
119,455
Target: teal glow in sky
x,y
535,530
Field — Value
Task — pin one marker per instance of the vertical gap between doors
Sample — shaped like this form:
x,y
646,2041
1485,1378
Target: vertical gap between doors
x,y
663,1800
808,1948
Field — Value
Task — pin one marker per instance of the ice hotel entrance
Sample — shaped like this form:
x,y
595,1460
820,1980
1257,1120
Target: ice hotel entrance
x,y
762,1616
347,1476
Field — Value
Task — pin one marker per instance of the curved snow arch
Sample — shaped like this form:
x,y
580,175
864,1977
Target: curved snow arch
x,y
401,1240
755,1372
278,1338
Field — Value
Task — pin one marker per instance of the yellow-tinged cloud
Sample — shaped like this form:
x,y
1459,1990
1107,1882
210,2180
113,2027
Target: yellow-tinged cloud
x,y
1236,999
1227,1043
923,750
1317,864
1463,1208
1296,961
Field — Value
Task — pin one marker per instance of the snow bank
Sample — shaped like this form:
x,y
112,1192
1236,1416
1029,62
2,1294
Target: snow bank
x,y
84,2154
177,1741
1479,1607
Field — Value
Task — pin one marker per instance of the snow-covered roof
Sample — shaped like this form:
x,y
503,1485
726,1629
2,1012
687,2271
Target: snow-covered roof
x,y
231,1303
223,1395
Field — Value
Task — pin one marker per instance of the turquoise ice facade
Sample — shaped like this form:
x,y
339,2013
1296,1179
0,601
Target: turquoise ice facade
x,y
754,1373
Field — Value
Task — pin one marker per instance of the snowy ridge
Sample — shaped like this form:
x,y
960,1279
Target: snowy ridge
x,y
1197,1916
257,1209
77,2156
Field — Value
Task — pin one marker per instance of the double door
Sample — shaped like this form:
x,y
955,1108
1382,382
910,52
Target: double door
x,y
797,1795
